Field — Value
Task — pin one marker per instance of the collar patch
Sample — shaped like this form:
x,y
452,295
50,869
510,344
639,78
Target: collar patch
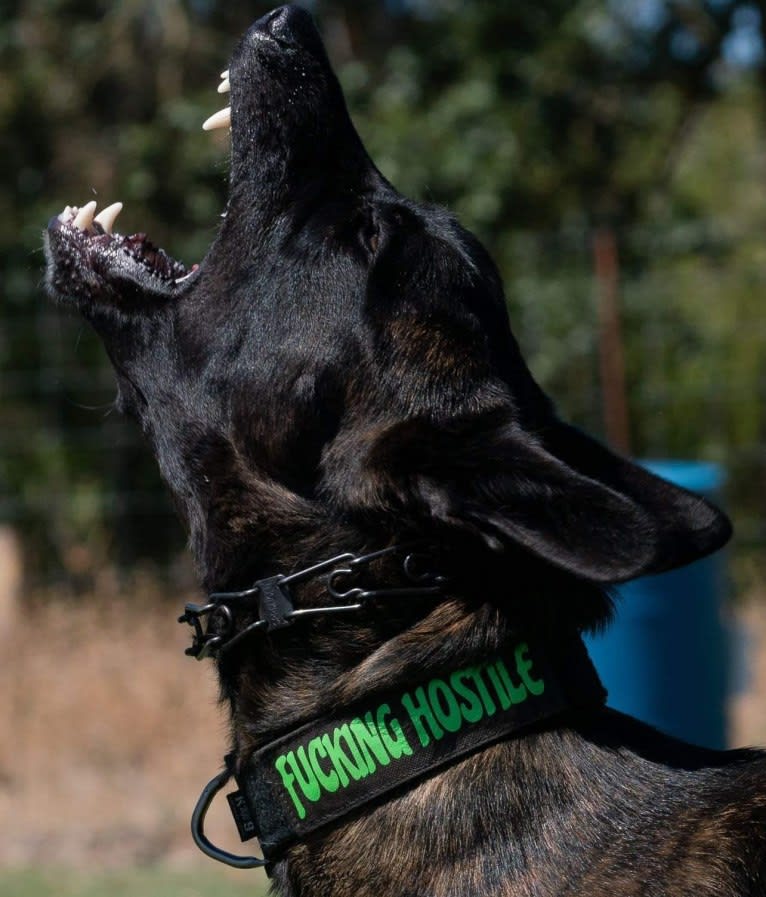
x,y
326,769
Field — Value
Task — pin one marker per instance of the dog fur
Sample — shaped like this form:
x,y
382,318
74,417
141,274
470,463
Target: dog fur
x,y
339,375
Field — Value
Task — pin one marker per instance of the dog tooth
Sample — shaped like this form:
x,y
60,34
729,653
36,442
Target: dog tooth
x,y
66,215
224,86
224,75
221,119
84,217
106,217
194,269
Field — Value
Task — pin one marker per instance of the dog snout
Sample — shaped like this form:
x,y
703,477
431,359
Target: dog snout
x,y
289,25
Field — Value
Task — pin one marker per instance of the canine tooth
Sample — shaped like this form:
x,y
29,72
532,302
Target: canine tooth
x,y
66,215
106,217
224,86
84,217
186,276
221,119
224,75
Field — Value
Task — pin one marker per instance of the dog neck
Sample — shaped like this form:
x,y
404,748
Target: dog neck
x,y
358,755
306,668
278,680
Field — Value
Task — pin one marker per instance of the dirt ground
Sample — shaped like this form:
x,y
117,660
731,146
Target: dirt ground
x,y
109,732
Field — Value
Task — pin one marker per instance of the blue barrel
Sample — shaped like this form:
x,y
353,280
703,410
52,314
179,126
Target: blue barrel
x,y
666,657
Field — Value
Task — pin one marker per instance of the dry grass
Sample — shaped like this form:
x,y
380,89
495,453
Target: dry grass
x,y
110,732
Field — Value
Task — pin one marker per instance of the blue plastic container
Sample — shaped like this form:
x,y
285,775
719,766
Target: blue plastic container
x,y
666,657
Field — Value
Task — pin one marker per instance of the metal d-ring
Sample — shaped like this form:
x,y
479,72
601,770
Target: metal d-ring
x,y
198,827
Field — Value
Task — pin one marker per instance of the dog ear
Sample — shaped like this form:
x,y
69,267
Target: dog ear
x,y
556,493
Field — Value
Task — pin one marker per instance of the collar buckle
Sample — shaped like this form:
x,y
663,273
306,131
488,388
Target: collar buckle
x,y
205,640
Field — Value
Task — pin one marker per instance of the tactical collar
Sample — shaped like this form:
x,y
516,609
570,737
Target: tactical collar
x,y
319,773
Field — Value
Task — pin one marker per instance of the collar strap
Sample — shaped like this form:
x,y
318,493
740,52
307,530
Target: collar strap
x,y
314,776
229,615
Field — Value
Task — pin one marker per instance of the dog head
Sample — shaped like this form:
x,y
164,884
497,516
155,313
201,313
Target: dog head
x,y
341,361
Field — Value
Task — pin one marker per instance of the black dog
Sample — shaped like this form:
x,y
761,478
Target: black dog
x,y
338,376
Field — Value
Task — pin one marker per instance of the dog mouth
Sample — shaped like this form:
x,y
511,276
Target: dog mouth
x,y
89,261
83,244
89,239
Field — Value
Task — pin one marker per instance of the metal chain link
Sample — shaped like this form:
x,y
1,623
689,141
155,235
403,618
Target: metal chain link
x,y
271,598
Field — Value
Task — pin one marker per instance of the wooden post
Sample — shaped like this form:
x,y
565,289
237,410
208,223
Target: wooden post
x,y
611,348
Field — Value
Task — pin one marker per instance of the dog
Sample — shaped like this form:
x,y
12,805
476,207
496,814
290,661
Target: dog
x,y
338,379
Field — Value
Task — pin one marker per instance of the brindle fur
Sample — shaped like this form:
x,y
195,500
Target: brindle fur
x,y
340,375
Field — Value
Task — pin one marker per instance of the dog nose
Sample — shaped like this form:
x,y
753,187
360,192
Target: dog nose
x,y
289,25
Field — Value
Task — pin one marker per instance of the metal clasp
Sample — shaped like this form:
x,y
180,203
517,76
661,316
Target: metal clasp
x,y
205,643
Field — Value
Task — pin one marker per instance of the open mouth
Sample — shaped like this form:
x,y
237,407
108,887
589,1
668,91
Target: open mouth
x,y
281,76
87,240
92,236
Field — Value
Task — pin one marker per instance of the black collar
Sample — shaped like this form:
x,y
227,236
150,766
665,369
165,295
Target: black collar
x,y
315,775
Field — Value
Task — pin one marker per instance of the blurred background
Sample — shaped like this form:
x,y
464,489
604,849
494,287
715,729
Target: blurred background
x,y
612,156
